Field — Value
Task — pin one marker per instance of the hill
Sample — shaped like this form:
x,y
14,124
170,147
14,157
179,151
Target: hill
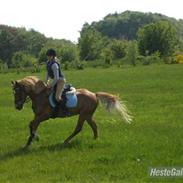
x,y
125,25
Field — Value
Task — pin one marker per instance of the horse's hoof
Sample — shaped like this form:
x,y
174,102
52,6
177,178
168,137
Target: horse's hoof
x,y
65,143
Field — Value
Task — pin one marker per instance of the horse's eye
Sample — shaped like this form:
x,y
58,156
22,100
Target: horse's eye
x,y
16,91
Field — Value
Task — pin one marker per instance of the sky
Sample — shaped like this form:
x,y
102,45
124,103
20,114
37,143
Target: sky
x,y
63,19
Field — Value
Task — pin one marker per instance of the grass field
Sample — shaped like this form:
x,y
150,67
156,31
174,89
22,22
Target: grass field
x,y
122,153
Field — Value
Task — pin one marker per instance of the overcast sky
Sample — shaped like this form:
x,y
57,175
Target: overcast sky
x,y
65,18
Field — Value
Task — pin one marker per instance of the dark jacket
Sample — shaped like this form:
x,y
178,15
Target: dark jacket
x,y
50,71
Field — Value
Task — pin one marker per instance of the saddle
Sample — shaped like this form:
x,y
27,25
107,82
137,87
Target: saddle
x,y
69,100
67,88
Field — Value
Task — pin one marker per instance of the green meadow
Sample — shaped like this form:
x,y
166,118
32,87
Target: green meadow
x,y
122,153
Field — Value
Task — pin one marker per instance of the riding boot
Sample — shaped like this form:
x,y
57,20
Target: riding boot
x,y
64,108
55,112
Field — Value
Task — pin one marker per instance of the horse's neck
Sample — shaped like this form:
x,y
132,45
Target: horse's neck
x,y
33,94
39,101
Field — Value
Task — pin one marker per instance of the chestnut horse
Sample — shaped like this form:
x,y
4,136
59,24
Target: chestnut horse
x,y
87,102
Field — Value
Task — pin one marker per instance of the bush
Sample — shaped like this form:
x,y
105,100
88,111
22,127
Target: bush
x,y
2,65
107,55
179,58
95,63
79,65
21,59
151,59
66,65
170,60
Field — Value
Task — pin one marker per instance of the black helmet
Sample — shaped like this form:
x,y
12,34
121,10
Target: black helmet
x,y
51,52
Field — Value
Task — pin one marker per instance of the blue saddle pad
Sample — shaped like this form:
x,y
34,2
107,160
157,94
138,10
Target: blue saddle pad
x,y
70,102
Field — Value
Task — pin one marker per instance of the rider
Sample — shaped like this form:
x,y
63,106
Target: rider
x,y
54,72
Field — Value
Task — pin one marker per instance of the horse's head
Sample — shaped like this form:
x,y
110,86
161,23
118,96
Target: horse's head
x,y
19,94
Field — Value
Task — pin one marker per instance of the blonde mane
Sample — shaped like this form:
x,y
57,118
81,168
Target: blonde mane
x,y
32,84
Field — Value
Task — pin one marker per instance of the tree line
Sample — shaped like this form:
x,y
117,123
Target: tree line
x,y
128,36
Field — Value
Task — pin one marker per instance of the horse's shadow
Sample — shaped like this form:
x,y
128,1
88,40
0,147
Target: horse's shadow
x,y
26,151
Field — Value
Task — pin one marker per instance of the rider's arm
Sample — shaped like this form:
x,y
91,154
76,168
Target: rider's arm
x,y
55,70
47,77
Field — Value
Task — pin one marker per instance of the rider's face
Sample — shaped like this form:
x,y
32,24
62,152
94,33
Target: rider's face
x,y
50,58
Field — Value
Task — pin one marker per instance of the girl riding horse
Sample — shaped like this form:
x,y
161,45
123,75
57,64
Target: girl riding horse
x,y
87,103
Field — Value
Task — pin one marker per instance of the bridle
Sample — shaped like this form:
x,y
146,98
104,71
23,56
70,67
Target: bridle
x,y
21,101
27,100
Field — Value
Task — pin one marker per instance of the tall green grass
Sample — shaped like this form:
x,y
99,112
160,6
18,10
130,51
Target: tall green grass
x,y
122,153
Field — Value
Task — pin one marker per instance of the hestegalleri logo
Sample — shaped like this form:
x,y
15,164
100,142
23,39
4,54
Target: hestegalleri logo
x,y
165,172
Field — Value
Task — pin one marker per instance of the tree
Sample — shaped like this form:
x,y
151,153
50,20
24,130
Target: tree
x,y
90,44
132,53
160,36
69,53
66,50
118,48
10,42
34,41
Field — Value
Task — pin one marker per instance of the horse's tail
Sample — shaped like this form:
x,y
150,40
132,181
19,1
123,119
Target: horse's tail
x,y
113,102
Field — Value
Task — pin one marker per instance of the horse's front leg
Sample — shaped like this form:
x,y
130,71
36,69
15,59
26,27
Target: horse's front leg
x,y
33,127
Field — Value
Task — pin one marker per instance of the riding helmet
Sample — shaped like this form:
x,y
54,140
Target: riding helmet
x,y
51,52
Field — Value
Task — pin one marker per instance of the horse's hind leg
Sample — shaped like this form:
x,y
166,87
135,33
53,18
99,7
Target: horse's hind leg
x,y
93,125
77,129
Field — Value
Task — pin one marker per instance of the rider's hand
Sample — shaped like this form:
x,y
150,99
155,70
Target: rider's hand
x,y
49,86
49,89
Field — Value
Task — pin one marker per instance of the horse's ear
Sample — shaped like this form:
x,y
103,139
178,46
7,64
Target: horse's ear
x,y
12,82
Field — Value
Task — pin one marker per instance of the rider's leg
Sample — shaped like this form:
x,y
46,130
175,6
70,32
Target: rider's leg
x,y
59,89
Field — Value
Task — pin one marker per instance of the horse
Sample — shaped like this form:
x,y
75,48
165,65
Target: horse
x,y
37,91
